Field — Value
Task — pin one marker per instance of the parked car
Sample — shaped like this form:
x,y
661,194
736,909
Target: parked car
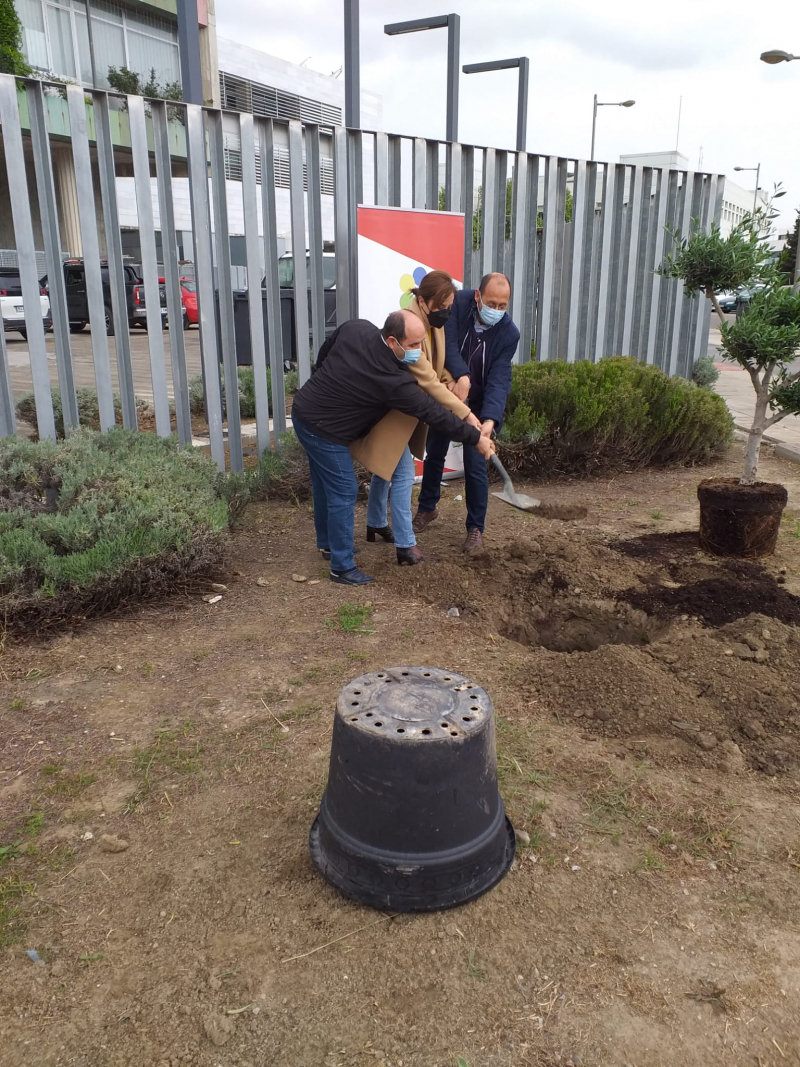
x,y
11,306
78,300
727,300
188,300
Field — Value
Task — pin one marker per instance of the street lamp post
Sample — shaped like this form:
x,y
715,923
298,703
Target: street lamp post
x,y
452,23
621,103
522,92
755,194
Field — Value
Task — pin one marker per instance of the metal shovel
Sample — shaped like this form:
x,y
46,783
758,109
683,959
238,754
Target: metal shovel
x,y
509,494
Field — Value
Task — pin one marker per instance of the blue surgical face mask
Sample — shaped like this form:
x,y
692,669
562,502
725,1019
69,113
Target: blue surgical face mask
x,y
411,355
490,316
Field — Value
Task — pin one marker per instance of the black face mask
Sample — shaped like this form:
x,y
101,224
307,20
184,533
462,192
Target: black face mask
x,y
439,318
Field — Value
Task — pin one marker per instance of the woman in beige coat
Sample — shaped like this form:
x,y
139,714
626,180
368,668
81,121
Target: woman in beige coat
x,y
431,302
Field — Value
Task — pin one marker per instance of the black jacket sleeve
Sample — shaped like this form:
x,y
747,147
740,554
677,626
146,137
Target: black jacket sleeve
x,y
410,399
327,345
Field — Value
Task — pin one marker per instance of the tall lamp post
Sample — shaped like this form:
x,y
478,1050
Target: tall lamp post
x,y
452,23
758,174
621,103
775,55
522,92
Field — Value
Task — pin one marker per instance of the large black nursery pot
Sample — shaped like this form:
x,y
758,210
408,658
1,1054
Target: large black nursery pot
x,y
412,819
740,520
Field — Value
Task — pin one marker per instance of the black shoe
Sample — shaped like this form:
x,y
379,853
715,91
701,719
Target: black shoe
x,y
384,532
410,557
353,577
326,552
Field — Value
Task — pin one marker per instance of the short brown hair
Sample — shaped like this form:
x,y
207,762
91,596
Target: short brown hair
x,y
435,288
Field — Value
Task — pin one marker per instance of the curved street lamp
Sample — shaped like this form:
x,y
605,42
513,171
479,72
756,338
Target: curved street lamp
x,y
758,175
522,91
451,23
775,55
621,103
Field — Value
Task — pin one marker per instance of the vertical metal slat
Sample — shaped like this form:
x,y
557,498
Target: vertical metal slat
x,y
48,212
576,286
418,157
605,261
313,165
527,327
341,224
116,272
635,216
395,171
432,169
382,169
204,276
298,216
147,239
519,248
501,174
548,262
91,254
255,303
488,211
227,325
266,139
685,223
468,194
169,248
452,179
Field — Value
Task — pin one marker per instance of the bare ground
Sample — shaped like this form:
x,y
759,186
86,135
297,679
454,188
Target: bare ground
x,y
648,724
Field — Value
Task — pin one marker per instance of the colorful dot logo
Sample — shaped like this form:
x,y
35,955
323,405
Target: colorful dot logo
x,y
409,282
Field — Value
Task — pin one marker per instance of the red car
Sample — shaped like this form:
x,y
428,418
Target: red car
x,y
189,301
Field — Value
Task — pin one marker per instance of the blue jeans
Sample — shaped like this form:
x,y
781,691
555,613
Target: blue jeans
x,y
401,483
476,479
335,489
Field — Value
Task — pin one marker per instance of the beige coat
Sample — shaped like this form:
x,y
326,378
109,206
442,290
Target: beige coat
x,y
380,450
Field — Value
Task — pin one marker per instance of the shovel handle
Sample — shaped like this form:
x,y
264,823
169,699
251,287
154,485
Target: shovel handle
x,y
498,466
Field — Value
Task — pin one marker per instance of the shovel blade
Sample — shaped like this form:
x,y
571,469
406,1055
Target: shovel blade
x,y
518,500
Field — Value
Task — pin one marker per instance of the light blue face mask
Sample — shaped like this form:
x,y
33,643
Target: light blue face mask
x,y
490,316
412,355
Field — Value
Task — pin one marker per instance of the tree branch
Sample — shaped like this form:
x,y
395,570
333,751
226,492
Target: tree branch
x,y
712,296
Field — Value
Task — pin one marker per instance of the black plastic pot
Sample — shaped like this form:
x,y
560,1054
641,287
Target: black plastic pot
x,y
740,520
412,819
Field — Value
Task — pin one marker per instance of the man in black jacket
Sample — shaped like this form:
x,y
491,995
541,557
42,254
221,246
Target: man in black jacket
x,y
360,376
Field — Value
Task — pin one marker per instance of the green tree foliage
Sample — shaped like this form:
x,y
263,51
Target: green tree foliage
x,y
12,61
788,257
126,81
766,339
582,418
704,373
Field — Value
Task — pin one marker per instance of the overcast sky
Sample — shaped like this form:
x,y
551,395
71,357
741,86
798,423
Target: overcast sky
x,y
736,110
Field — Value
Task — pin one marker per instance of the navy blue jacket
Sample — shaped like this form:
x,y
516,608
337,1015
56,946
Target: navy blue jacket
x,y
491,383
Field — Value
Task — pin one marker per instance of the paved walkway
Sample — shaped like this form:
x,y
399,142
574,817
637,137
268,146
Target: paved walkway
x,y
735,386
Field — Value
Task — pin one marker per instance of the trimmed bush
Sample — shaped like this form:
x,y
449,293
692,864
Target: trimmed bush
x,y
89,521
582,418
88,408
247,391
704,372
281,475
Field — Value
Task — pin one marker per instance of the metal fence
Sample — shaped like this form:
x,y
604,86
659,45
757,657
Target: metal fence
x,y
579,241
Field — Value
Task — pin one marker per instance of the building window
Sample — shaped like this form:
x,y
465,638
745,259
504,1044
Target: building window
x,y
241,94
233,166
56,39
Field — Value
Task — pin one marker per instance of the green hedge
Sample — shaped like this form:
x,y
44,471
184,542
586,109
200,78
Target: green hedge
x,y
579,418
247,391
87,521
88,408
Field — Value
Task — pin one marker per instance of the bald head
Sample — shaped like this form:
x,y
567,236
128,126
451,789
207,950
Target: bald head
x,y
403,330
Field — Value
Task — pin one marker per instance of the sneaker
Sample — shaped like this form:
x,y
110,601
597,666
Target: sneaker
x,y
473,541
423,519
353,577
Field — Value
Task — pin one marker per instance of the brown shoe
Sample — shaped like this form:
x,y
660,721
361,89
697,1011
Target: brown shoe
x,y
423,519
474,541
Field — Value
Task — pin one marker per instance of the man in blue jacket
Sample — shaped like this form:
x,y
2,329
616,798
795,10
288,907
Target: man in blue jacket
x,y
481,341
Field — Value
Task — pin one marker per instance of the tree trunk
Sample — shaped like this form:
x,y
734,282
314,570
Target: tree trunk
x,y
712,296
751,456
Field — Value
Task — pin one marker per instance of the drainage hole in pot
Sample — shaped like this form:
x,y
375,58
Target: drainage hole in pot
x,y
353,718
445,725
466,718
356,692
426,674
369,714
474,707
473,696
378,724
454,733
400,730
448,678
426,732
353,703
404,674
381,675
